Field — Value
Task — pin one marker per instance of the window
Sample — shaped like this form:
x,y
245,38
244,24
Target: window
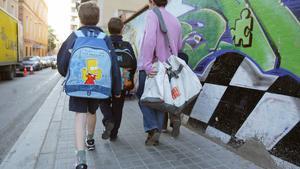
x,y
39,31
26,25
12,10
41,12
26,49
73,18
37,5
73,27
4,4
31,34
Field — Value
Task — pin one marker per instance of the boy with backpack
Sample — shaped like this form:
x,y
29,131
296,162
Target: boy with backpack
x,y
87,60
128,64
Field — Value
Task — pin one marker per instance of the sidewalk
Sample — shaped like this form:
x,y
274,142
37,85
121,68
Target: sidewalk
x,y
48,143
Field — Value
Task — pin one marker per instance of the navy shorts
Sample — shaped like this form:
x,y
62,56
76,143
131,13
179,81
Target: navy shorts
x,y
83,105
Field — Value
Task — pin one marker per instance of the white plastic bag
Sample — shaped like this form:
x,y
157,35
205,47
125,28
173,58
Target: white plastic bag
x,y
174,86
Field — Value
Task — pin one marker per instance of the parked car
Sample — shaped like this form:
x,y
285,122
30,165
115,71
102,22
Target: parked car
x,y
46,61
49,61
53,62
35,62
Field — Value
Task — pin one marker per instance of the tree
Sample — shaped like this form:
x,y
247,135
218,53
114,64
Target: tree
x,y
52,39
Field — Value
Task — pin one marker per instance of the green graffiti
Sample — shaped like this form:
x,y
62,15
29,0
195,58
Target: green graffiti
x,y
265,30
284,30
210,32
273,31
242,33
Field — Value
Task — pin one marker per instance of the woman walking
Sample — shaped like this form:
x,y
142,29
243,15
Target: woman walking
x,y
154,47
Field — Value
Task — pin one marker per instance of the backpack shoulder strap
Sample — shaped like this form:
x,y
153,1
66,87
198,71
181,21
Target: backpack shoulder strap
x,y
101,35
120,44
79,34
163,27
161,20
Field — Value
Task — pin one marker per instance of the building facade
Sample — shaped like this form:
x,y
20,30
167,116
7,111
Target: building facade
x,y
117,8
74,16
10,6
33,15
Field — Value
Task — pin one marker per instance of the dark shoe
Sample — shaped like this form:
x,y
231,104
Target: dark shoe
x,y
150,133
153,138
164,130
81,166
176,122
90,144
109,126
151,143
113,138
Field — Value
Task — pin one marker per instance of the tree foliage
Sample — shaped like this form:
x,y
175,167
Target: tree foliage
x,y
52,39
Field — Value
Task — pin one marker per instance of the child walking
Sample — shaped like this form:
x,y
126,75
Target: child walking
x,y
128,64
93,75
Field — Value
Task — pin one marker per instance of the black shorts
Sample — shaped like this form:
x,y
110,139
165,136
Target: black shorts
x,y
83,105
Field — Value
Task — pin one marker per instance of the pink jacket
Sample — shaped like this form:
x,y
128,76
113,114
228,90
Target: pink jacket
x,y
154,45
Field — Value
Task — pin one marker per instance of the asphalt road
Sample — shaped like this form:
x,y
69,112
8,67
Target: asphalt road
x,y
20,99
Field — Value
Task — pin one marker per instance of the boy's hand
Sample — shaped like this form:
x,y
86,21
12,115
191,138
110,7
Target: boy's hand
x,y
128,85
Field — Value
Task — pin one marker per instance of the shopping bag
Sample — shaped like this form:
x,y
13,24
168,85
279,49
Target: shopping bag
x,y
174,86
184,83
154,93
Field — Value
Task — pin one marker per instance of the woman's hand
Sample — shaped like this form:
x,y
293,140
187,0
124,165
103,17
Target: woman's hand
x,y
152,74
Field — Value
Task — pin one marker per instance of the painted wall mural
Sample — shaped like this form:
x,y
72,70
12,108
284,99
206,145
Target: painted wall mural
x,y
270,38
247,56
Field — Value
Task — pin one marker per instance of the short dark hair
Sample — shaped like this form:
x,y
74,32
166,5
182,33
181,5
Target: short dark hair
x,y
160,3
83,1
89,13
115,26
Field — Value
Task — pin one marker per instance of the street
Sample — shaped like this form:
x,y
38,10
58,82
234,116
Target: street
x,y
20,100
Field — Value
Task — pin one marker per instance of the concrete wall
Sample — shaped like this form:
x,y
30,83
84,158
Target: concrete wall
x,y
115,8
247,57
240,102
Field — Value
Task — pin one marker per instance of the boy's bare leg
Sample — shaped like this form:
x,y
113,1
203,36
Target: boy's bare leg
x,y
91,125
80,127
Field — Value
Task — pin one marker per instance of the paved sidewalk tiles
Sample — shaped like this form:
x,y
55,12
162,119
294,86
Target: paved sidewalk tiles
x,y
189,151
48,143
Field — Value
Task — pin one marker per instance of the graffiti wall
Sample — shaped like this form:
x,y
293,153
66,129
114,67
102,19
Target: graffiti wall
x,y
247,56
270,38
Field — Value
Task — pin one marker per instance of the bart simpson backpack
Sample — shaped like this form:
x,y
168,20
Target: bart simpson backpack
x,y
89,72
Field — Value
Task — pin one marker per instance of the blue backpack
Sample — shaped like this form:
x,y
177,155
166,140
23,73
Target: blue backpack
x,y
89,73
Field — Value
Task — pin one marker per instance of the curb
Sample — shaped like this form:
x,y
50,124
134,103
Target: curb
x,y
25,152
